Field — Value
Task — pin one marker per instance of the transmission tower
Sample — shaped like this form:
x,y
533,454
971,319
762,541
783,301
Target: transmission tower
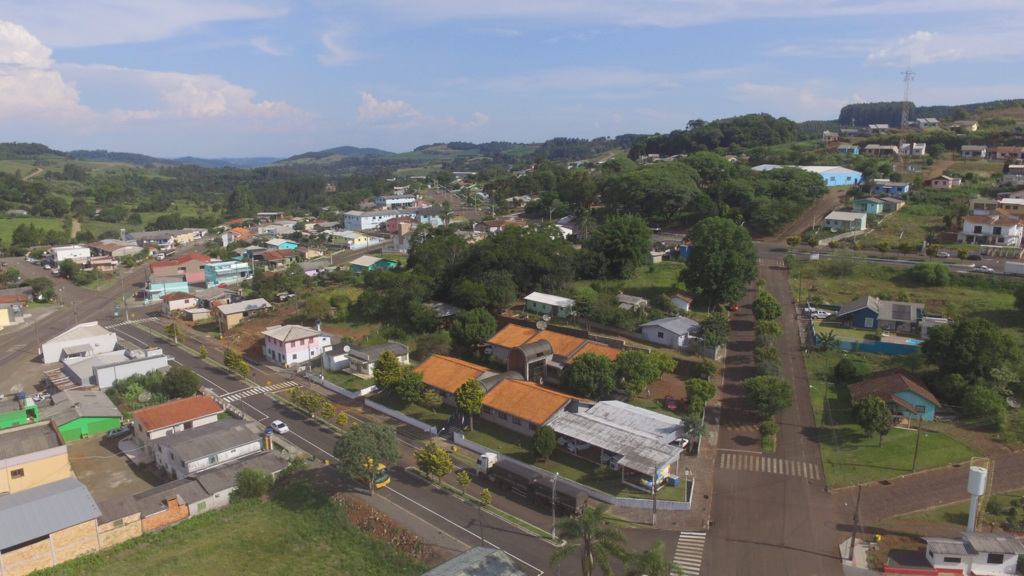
x,y
908,77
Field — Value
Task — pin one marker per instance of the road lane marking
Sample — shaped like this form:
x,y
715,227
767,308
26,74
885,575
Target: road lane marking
x,y
753,462
690,552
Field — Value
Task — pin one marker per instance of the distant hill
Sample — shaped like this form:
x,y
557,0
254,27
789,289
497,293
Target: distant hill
x,y
227,162
120,157
344,151
891,112
25,150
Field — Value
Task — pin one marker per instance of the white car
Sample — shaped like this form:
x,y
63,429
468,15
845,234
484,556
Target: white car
x,y
942,254
820,314
984,269
42,396
279,427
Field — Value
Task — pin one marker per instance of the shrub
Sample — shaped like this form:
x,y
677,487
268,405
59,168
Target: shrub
x,y
769,428
850,369
767,354
770,368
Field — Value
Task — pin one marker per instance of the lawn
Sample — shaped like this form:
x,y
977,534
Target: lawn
x,y
433,418
849,455
300,530
996,510
567,465
345,380
660,278
8,225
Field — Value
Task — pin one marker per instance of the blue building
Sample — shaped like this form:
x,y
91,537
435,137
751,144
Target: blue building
x,y
230,272
282,244
848,149
833,175
870,313
367,263
540,303
159,286
887,187
902,391
869,206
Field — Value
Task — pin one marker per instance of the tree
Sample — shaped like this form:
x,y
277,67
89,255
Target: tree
x,y
485,498
766,332
433,460
341,420
625,243
589,535
883,246
432,343
410,386
173,332
231,359
636,369
328,411
473,327
181,382
470,399
714,329
203,354
848,370
242,368
828,340
768,395
591,376
464,480
252,483
985,403
317,308
431,400
792,241
969,347
765,306
652,562
722,262
387,371
363,447
872,414
543,442
699,392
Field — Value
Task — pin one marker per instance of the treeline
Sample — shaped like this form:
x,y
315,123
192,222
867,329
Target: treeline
x,y
729,134
941,112
865,113
580,148
23,150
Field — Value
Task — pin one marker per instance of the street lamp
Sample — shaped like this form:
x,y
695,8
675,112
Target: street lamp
x,y
554,484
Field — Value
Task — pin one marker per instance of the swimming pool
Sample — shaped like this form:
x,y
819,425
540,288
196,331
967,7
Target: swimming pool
x,y
915,342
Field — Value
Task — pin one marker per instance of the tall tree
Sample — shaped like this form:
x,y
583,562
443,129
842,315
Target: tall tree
x,y
433,460
410,386
636,369
360,450
387,371
768,395
698,392
543,442
174,332
652,562
470,399
473,327
714,329
722,262
591,376
181,382
765,306
590,536
624,241
970,347
872,414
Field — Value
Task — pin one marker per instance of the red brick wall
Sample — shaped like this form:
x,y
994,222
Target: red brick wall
x,y
174,513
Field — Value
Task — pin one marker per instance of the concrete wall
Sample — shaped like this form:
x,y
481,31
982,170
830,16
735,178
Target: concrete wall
x,y
121,530
107,375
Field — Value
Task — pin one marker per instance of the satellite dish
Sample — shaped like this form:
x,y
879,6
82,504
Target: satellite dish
x,y
547,317
488,351
542,325
145,396
346,348
1013,401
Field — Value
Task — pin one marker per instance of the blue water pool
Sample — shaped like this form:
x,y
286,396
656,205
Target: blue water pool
x,y
915,342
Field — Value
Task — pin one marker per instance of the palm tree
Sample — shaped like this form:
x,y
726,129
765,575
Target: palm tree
x,y
829,340
652,563
588,535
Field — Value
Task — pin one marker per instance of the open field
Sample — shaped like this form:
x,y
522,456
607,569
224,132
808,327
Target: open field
x,y
8,225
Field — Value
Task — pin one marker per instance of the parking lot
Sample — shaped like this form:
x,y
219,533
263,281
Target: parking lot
x,y
99,465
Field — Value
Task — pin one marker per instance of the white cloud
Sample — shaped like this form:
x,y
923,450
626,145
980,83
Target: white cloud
x,y
62,24
336,53
919,48
29,87
398,115
263,44
798,103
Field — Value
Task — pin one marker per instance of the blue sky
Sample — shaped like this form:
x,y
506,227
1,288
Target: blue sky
x,y
231,78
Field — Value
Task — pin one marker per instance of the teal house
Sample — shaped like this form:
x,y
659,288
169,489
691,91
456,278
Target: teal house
x,y
540,303
82,413
903,392
14,411
869,206
367,263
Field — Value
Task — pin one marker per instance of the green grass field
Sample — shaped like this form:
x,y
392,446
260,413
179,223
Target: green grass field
x,y
660,278
300,530
8,225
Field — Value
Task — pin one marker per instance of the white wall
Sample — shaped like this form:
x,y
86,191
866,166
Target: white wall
x,y
667,338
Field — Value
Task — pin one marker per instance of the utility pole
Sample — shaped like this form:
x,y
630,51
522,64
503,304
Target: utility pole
x,y
856,524
917,444
654,493
554,484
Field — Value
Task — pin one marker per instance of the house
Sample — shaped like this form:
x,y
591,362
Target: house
x,y
227,273
289,344
849,132
848,149
682,301
11,313
185,453
926,123
676,332
85,339
278,258
80,414
913,148
546,356
362,360
445,374
991,229
943,181
115,248
399,224
1011,207
17,212
356,220
432,215
555,306
192,266
265,216
196,314
277,228
495,226
522,406
353,240
833,175
177,301
173,417
16,412
218,482
73,252
846,220
164,240
509,337
46,526
103,369
974,553
870,313
627,302
167,504
479,561
367,263
231,315
282,244
964,126
878,128
971,151
893,204
1015,170
32,455
869,205
1006,153
904,393
883,186
981,205
309,252
159,286
396,201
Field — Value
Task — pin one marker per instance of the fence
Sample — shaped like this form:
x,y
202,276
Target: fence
x,y
350,394
402,417
594,493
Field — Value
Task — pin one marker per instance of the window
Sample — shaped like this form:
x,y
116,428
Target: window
x,y
213,459
517,421
118,523
951,559
488,410
19,473
502,415
295,356
869,322
995,559
920,409
201,506
977,229
997,230
661,334
533,426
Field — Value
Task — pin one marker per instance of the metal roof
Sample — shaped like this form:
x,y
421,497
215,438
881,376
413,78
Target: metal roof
x,y
372,354
550,299
244,306
210,439
222,477
81,331
680,325
992,542
154,501
478,561
71,405
28,438
290,332
43,510
947,546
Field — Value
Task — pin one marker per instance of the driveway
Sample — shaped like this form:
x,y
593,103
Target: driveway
x,y
103,468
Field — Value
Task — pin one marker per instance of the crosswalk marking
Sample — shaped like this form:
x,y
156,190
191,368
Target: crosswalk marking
x,y
127,322
236,396
766,464
690,552
770,262
731,425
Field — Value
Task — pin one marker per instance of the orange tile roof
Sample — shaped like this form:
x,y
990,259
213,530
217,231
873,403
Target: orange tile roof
x,y
446,373
526,400
176,412
241,231
600,350
561,344
513,335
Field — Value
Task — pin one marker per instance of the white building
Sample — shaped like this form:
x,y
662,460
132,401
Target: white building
x,y
846,220
104,369
173,417
356,220
674,331
85,339
185,453
72,252
974,553
994,229
291,344
397,201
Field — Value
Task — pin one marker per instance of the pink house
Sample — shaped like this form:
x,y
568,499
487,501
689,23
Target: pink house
x,y
943,182
394,225
289,344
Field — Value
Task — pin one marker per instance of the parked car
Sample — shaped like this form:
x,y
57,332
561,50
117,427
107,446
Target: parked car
x,y
3,263
942,254
820,314
118,432
733,307
974,256
670,404
680,443
984,269
41,397
576,446
47,266
279,427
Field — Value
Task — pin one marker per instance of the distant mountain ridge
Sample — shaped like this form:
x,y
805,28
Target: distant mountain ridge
x,y
339,151
143,160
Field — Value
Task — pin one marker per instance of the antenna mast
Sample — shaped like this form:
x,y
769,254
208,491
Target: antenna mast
x,y
908,77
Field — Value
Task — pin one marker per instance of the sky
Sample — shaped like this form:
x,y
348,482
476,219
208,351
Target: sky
x,y
244,78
